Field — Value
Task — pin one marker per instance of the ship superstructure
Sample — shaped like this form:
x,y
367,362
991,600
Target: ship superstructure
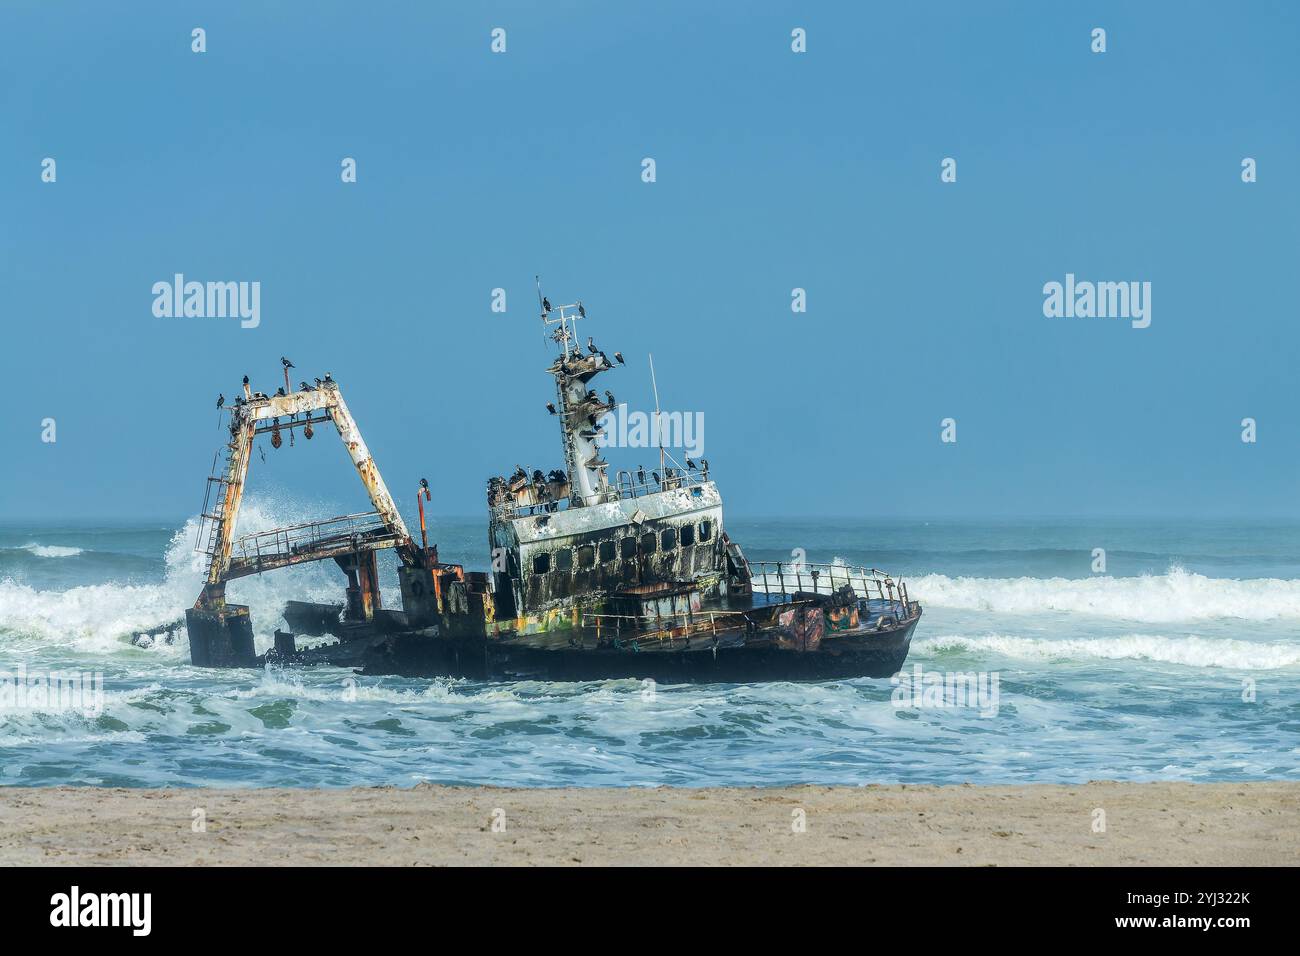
x,y
569,539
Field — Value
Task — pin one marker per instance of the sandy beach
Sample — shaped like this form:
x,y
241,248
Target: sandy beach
x,y
1250,824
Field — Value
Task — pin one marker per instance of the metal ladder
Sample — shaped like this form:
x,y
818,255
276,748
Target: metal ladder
x,y
211,521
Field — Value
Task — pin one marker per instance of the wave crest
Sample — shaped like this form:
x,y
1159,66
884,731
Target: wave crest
x,y
100,618
52,550
1190,651
1176,595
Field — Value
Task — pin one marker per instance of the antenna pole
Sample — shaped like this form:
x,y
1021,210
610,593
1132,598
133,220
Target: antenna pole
x,y
659,435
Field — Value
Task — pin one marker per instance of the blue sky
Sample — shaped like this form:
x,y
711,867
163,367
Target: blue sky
x,y
775,170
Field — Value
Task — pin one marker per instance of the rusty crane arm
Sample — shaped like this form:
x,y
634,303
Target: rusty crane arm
x,y
262,414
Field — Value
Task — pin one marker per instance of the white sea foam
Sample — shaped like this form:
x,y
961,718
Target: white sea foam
x,y
1176,595
100,618
51,550
1191,651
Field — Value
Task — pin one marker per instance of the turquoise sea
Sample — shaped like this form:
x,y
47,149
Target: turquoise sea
x,y
1180,662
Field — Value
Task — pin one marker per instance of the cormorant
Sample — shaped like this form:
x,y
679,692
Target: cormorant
x,y
640,475
690,464
245,379
582,313
285,362
591,346
610,395
618,357
221,400
655,476
328,377
317,381
280,391
546,304
305,387
550,407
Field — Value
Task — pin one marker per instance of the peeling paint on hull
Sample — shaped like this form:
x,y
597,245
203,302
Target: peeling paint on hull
x,y
881,654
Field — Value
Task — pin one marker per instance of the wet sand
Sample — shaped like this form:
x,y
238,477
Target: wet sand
x,y
1250,824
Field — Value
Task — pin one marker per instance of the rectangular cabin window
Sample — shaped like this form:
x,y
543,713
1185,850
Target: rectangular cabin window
x,y
648,542
706,530
586,556
564,559
608,550
668,539
628,548
542,562
688,535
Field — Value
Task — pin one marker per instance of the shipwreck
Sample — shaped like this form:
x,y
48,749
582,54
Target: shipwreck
x,y
592,575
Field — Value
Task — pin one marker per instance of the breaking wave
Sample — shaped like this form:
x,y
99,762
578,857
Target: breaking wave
x,y
52,550
1189,651
1176,595
100,618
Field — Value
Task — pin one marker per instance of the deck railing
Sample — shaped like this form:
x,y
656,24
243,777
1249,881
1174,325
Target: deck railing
x,y
309,536
624,485
782,577
629,485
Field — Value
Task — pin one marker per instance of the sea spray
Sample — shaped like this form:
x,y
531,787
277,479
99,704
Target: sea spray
x,y
1177,595
100,618
1185,651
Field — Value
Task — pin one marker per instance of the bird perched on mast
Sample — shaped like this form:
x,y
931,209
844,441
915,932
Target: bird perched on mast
x,y
285,362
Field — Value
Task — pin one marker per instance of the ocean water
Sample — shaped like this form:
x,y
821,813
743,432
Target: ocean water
x,y
1181,662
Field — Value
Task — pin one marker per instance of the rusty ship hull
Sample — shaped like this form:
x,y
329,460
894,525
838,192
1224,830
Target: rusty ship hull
x,y
867,654
761,638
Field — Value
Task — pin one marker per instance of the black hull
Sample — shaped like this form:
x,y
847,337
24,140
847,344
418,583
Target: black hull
x,y
878,654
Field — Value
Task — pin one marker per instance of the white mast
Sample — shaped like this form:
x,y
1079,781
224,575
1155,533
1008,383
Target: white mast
x,y
578,410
